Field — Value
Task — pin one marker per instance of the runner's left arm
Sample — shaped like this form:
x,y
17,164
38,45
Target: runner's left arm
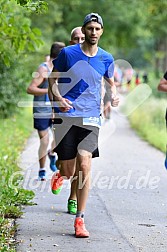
x,y
114,97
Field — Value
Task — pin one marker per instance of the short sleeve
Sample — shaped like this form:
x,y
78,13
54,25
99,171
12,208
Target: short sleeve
x,y
109,67
60,62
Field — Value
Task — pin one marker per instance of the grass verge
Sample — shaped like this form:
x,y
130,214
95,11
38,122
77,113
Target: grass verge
x,y
14,132
149,121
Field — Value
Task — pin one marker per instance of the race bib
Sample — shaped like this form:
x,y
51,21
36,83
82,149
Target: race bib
x,y
92,121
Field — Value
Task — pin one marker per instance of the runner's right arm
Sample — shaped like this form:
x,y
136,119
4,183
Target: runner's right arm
x,y
33,88
54,94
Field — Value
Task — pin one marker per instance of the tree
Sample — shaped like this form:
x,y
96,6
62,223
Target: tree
x,y
17,39
156,21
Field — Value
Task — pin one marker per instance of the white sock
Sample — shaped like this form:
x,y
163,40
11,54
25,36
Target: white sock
x,y
42,169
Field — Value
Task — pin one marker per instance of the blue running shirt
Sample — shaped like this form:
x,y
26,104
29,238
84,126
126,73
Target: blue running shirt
x,y
81,78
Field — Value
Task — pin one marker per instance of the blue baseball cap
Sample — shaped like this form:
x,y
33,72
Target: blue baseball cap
x,y
93,17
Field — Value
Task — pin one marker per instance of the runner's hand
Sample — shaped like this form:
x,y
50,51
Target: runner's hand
x,y
114,101
65,105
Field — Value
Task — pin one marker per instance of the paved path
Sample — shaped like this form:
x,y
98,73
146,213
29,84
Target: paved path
x,y
127,206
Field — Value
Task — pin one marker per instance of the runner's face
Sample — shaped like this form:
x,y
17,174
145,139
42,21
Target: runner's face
x,y
93,32
78,37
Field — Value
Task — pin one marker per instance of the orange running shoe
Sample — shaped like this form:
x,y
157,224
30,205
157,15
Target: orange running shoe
x,y
56,183
80,230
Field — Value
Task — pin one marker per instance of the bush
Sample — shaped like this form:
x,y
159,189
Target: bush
x,y
13,85
17,39
14,132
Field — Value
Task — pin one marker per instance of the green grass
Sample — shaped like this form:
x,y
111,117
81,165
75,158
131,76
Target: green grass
x,y
14,132
149,121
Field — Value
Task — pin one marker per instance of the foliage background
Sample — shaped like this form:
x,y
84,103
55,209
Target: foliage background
x,y
134,31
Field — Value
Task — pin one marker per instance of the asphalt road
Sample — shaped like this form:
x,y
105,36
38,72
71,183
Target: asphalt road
x,y
127,206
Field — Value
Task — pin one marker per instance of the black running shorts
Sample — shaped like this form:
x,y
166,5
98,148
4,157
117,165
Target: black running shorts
x,y
71,135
